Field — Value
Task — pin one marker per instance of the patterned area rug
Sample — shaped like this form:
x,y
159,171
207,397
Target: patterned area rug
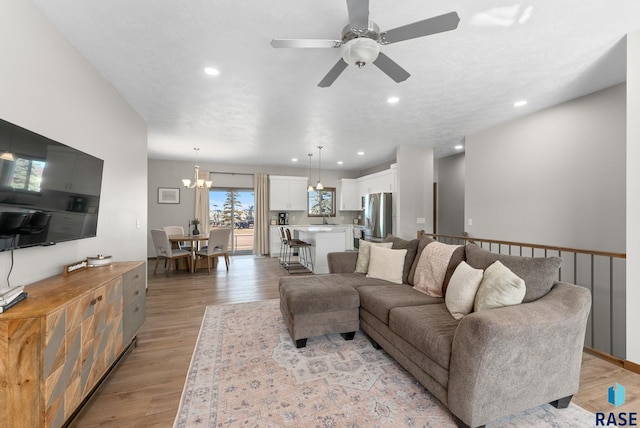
x,y
245,371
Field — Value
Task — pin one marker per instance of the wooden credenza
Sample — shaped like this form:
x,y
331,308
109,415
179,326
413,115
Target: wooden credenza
x,y
57,345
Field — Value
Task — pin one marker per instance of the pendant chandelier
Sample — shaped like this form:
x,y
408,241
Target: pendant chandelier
x,y
198,182
310,188
319,185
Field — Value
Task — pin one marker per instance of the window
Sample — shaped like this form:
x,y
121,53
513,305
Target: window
x,y
234,209
27,174
322,203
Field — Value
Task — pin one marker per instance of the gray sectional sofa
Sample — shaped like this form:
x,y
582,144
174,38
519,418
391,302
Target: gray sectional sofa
x,y
491,363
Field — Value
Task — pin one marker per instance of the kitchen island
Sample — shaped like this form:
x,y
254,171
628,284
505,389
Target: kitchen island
x,y
323,240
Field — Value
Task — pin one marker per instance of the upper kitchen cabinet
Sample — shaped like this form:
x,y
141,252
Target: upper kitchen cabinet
x,y
287,193
348,194
383,181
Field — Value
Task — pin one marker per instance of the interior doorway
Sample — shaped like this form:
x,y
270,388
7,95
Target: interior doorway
x,y
235,209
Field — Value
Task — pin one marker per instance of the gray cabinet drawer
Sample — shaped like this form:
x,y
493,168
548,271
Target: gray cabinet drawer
x,y
134,301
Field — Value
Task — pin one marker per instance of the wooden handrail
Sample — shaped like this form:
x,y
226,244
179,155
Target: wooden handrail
x,y
522,244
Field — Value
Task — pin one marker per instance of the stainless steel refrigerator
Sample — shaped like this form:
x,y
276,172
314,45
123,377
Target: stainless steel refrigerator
x,y
377,216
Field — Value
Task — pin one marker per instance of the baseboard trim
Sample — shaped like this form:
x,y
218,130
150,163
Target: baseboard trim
x,y
625,364
631,366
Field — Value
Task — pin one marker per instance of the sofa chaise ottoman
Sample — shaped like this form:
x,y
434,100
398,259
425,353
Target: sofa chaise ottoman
x,y
313,307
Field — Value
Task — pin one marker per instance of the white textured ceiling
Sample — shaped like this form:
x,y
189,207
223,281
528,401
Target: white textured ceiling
x,y
265,106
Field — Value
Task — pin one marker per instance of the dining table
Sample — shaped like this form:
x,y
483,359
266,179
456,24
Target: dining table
x,y
194,241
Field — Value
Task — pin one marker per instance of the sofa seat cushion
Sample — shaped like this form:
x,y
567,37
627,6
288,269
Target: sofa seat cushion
x,y
380,299
353,279
429,328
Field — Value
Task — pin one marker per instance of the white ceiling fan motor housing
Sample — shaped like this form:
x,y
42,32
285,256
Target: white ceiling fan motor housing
x,y
360,51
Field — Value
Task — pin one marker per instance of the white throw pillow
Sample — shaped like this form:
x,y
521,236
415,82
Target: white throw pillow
x,y
461,292
362,264
387,264
499,287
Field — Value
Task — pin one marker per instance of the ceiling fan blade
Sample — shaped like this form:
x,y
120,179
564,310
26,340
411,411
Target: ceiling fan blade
x,y
437,24
305,43
391,68
358,13
333,74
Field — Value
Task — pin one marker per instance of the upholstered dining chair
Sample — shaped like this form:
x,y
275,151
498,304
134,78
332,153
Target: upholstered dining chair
x,y
177,230
218,245
164,251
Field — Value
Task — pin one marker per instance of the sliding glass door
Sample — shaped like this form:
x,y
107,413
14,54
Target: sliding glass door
x,y
234,208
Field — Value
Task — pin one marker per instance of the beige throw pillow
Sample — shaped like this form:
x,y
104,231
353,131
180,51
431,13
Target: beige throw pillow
x,y
362,264
461,293
387,264
432,268
499,287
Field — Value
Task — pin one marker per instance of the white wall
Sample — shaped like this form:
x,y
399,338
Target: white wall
x,y
554,177
414,190
48,87
633,196
451,186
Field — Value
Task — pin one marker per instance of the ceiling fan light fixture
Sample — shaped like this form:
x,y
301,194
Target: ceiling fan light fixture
x,y
360,51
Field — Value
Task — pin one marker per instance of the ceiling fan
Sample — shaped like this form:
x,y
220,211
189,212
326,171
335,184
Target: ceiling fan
x,y
361,41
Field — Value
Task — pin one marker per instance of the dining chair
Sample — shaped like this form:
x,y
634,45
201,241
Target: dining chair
x,y
217,245
284,247
177,230
164,251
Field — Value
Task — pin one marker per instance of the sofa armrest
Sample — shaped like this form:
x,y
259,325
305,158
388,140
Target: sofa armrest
x,y
342,262
514,358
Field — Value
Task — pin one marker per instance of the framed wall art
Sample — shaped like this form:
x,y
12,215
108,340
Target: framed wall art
x,y
168,195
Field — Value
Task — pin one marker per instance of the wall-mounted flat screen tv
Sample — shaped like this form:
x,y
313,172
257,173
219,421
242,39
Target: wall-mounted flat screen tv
x,y
49,192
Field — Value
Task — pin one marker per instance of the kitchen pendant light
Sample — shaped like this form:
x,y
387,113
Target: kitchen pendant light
x,y
310,188
319,185
197,181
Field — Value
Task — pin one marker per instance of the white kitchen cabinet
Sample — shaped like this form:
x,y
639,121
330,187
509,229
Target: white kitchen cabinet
x,y
73,172
287,193
348,195
382,181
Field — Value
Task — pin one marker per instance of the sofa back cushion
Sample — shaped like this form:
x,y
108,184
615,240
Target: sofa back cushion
x,y
412,250
538,273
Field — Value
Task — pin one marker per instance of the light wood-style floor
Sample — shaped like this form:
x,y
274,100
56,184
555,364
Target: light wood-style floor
x,y
144,390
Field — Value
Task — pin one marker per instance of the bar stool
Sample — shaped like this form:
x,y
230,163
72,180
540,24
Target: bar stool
x,y
284,247
303,247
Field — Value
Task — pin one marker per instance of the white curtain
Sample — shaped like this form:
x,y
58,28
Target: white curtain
x,y
261,223
202,204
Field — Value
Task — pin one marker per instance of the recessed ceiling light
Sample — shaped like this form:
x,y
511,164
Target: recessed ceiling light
x,y
459,147
340,162
294,160
360,153
393,100
211,71
520,103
